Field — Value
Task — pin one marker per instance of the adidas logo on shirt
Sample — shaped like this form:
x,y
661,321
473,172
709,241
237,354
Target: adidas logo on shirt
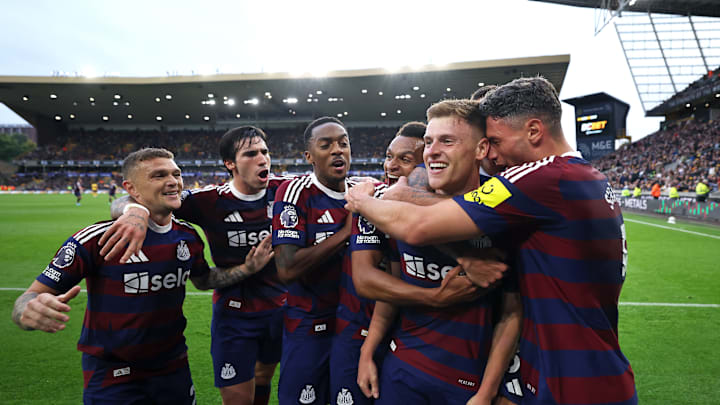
x,y
139,258
326,218
234,217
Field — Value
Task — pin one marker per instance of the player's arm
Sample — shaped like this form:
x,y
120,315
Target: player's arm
x,y
443,222
218,277
293,261
128,230
505,337
418,193
372,282
43,308
382,318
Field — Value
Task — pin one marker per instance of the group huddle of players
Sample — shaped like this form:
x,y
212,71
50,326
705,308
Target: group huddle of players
x,y
489,274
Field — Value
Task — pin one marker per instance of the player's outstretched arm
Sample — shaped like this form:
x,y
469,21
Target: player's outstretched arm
x,y
293,261
416,225
382,318
258,257
505,337
128,230
40,307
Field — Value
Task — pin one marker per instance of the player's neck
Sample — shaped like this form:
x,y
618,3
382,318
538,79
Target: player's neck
x,y
161,218
333,184
472,183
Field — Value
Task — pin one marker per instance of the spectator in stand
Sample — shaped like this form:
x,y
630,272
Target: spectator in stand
x,y
655,192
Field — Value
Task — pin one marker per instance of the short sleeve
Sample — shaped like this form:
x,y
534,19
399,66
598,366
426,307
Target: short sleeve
x,y
72,262
289,220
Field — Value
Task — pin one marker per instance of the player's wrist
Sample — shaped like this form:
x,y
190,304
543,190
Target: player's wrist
x,y
130,206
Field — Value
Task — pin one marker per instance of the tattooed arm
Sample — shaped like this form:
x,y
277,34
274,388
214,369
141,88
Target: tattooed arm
x,y
128,230
40,307
256,259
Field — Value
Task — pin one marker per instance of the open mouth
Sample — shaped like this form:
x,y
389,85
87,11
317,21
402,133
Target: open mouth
x,y
263,175
391,178
437,166
338,164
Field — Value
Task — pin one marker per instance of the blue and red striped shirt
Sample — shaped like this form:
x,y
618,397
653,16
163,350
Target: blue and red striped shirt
x,y
134,310
571,262
233,223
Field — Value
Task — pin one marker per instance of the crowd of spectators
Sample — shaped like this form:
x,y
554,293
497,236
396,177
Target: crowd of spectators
x,y
193,144
678,156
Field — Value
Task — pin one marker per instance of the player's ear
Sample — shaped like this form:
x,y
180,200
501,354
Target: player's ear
x,y
535,130
483,147
130,188
229,164
308,157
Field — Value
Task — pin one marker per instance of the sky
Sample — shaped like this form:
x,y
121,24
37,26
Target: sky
x,y
152,38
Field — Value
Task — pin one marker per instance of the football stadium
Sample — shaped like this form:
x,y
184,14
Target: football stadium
x,y
62,168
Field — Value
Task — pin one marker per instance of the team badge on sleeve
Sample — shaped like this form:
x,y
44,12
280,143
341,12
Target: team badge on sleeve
x,y
289,217
491,193
183,251
65,256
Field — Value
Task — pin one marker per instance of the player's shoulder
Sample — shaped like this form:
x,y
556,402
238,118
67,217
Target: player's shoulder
x,y
185,227
275,180
208,191
290,191
92,232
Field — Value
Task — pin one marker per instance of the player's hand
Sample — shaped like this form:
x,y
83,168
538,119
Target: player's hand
x,y
454,289
357,194
397,190
128,230
259,255
46,311
479,399
367,378
486,270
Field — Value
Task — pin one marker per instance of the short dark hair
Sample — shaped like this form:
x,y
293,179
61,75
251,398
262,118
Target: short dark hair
x,y
320,121
412,129
233,139
467,110
524,98
482,92
132,160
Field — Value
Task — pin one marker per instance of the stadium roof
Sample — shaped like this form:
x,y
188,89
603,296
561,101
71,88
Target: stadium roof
x,y
360,97
707,8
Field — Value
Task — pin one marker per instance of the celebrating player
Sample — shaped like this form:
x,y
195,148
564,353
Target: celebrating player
x,y
568,228
247,321
404,151
132,338
434,352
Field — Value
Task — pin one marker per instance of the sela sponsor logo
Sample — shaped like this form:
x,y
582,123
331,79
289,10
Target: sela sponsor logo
x,y
344,397
307,395
140,283
243,238
415,267
65,256
227,372
326,218
119,372
183,251
466,383
365,226
288,233
52,274
289,217
234,217
321,236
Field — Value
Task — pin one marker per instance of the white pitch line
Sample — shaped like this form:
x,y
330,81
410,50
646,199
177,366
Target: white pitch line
x,y
671,228
668,304
631,304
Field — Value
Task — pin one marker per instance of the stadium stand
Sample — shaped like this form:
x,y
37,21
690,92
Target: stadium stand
x,y
679,155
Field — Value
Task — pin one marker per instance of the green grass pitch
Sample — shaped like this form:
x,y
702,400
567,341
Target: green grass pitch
x,y
674,350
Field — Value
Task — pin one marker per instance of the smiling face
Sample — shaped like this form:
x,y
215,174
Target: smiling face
x,y
453,149
401,157
156,183
329,154
251,167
